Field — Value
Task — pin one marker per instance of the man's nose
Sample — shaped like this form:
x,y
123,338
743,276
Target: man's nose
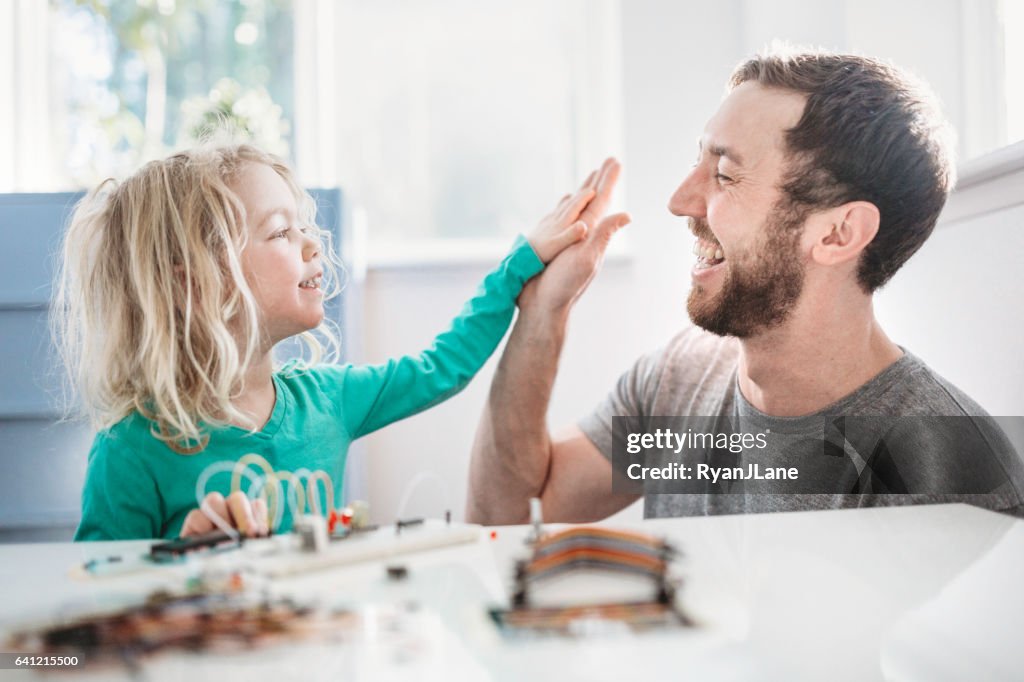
x,y
689,197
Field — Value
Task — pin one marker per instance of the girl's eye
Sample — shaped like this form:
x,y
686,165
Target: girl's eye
x,y
281,234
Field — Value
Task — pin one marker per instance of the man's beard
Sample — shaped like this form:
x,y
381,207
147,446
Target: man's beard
x,y
757,295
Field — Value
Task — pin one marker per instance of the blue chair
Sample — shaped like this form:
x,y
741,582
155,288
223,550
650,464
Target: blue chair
x,y
43,460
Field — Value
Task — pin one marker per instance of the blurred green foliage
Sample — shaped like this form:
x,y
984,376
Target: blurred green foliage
x,y
171,71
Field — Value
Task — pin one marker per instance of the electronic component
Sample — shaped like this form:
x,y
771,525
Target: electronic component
x,y
173,549
587,580
398,572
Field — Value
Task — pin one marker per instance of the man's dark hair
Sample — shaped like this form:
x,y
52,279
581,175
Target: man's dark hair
x,y
868,133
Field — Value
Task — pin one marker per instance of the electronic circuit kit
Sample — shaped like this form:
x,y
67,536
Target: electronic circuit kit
x,y
222,591
587,580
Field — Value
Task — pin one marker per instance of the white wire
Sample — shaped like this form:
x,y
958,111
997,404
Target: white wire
x,y
201,483
258,486
313,492
257,489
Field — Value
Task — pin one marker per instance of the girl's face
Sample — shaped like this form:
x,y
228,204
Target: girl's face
x,y
282,259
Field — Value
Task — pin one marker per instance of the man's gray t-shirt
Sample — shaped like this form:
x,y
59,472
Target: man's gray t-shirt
x,y
696,375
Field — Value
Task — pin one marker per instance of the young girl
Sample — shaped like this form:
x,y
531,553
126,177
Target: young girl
x,y
176,285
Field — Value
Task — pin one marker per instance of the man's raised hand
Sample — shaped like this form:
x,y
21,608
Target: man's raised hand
x,y
568,275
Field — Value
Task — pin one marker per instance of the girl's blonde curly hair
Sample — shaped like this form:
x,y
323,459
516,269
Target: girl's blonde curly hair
x,y
152,311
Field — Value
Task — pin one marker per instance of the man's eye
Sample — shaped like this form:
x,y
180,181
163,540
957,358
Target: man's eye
x,y
722,178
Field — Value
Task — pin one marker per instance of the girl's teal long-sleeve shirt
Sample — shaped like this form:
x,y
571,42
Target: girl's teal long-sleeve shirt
x,y
137,487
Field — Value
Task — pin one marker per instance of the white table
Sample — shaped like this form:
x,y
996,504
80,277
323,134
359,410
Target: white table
x,y
929,592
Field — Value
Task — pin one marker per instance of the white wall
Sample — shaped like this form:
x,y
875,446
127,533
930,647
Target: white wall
x,y
676,58
957,305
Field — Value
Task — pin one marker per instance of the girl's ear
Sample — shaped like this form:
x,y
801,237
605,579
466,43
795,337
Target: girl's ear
x,y
851,229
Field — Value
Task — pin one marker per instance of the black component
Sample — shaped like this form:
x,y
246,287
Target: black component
x,y
93,563
166,551
404,523
84,636
519,595
398,572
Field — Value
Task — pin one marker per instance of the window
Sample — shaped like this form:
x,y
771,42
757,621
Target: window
x,y
103,85
450,122
455,123
1012,15
993,73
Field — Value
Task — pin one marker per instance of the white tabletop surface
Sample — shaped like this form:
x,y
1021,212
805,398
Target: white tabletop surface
x,y
927,592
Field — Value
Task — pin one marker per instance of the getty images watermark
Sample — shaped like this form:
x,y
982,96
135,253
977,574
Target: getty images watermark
x,y
832,454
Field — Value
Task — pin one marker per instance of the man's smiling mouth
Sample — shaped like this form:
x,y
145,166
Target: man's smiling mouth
x,y
708,253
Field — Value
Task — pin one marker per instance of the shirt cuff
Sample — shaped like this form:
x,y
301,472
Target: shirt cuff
x,y
523,260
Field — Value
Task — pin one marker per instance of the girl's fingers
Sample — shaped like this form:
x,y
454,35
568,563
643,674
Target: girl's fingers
x,y
241,513
569,236
238,511
259,512
196,523
214,505
571,210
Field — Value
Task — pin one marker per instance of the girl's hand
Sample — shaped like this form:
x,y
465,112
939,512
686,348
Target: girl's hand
x,y
570,222
237,511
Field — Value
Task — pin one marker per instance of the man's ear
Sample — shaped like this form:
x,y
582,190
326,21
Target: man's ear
x,y
846,232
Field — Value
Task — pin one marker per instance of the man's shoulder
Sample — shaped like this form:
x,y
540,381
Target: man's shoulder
x,y
915,389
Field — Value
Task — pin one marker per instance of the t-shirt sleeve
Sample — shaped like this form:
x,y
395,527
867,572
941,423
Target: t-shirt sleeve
x,y
373,396
120,500
632,397
958,458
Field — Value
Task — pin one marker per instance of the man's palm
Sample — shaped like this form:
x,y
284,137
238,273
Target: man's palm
x,y
568,275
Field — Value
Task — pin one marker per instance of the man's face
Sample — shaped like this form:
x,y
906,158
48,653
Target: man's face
x,y
749,272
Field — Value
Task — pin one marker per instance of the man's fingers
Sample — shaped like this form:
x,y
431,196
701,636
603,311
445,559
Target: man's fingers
x,y
604,184
196,523
241,512
611,224
608,177
593,180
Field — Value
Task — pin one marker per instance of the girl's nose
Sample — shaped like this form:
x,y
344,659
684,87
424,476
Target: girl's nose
x,y
310,244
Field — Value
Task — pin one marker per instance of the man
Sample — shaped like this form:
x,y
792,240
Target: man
x,y
818,177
